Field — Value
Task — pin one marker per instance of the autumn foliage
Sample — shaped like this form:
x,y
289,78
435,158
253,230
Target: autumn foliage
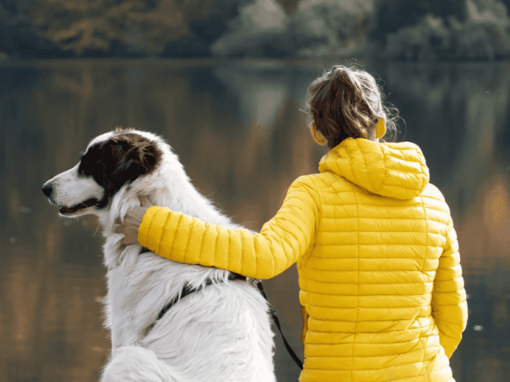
x,y
143,26
126,27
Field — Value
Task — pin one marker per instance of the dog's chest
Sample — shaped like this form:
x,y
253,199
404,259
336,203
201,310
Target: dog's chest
x,y
132,301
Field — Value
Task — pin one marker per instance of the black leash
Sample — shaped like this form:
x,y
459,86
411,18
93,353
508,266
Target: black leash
x,y
277,323
187,290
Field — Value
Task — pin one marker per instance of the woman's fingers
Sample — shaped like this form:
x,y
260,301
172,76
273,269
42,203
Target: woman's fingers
x,y
130,238
131,221
129,226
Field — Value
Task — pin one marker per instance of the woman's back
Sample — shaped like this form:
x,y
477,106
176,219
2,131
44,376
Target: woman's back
x,y
382,280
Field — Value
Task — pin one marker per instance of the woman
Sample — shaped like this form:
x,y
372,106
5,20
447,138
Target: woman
x,y
381,284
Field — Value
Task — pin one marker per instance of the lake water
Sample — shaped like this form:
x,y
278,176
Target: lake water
x,y
239,132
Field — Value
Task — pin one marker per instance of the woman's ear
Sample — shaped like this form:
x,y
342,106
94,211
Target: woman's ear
x,y
317,135
380,128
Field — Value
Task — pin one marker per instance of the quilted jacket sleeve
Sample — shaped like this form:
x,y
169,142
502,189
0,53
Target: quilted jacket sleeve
x,y
449,306
279,244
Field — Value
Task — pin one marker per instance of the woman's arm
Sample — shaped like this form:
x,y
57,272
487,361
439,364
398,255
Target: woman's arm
x,y
449,306
279,244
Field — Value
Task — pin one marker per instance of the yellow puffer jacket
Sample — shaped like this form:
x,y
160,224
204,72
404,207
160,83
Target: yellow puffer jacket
x,y
377,256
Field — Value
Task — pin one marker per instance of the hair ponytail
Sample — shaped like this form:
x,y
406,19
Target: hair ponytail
x,y
346,102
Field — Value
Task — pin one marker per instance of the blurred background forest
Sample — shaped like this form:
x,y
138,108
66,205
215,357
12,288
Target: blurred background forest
x,y
418,30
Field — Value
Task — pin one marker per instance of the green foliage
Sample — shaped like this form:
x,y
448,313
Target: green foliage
x,y
484,34
316,28
391,15
330,28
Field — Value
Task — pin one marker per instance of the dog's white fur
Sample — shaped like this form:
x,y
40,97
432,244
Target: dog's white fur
x,y
220,333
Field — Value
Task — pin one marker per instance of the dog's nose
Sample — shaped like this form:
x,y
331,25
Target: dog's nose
x,y
47,190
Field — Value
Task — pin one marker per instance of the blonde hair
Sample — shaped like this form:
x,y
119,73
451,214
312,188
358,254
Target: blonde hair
x,y
347,102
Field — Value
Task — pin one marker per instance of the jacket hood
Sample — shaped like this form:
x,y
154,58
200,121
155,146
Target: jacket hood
x,y
395,170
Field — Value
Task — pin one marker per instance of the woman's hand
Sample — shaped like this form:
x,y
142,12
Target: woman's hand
x,y
132,222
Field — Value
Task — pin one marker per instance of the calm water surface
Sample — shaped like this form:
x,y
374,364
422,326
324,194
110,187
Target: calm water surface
x,y
239,132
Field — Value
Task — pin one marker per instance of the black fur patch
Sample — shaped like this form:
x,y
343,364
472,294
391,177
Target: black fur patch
x,y
120,160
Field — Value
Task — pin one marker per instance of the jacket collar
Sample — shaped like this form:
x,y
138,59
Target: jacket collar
x,y
396,170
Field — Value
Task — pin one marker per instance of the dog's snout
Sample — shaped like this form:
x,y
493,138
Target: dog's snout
x,y
47,190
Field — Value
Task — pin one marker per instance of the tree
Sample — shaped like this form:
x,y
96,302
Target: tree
x,y
18,37
132,27
391,15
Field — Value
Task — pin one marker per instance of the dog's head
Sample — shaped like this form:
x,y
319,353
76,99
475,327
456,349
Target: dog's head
x,y
111,161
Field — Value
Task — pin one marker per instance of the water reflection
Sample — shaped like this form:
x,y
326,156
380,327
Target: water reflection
x,y
237,128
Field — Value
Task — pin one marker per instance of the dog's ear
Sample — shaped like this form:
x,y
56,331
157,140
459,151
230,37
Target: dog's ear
x,y
147,154
132,156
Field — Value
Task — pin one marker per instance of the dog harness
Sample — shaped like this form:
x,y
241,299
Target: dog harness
x,y
188,289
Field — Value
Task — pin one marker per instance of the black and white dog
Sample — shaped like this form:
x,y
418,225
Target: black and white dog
x,y
219,333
